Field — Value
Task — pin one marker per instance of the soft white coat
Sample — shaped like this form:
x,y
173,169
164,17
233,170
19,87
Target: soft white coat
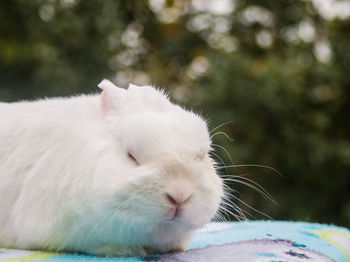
x,y
99,173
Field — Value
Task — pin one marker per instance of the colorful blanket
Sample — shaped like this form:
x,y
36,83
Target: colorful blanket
x,y
258,241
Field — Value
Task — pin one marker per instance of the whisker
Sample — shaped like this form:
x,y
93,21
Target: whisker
x,y
260,189
238,214
219,217
224,134
228,154
227,202
223,124
229,205
222,161
252,165
235,207
216,155
252,208
227,211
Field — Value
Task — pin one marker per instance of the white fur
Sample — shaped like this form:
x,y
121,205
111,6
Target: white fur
x,y
67,182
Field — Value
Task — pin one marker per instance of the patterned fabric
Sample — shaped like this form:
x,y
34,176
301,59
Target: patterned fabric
x,y
258,241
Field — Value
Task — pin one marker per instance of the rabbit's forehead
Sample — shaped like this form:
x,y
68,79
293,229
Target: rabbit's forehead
x,y
161,133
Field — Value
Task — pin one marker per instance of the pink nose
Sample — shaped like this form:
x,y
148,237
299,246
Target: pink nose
x,y
177,200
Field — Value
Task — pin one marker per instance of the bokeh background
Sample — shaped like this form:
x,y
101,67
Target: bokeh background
x,y
276,72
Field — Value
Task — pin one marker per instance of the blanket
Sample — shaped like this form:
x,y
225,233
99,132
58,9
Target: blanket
x,y
258,241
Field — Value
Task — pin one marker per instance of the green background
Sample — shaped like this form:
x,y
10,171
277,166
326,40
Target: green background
x,y
276,71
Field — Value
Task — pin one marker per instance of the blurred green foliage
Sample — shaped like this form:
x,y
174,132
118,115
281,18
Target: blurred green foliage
x,y
277,70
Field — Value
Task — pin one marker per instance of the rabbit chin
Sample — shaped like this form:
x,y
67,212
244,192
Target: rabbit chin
x,y
169,235
166,235
172,234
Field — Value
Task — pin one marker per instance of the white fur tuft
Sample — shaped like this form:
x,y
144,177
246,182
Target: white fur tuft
x,y
106,84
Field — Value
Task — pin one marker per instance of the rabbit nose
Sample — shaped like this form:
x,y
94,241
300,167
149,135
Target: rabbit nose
x,y
177,200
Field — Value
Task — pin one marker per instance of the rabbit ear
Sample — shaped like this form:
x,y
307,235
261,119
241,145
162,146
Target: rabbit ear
x,y
132,86
112,97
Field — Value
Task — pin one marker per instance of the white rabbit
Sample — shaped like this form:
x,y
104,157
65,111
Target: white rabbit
x,y
122,173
